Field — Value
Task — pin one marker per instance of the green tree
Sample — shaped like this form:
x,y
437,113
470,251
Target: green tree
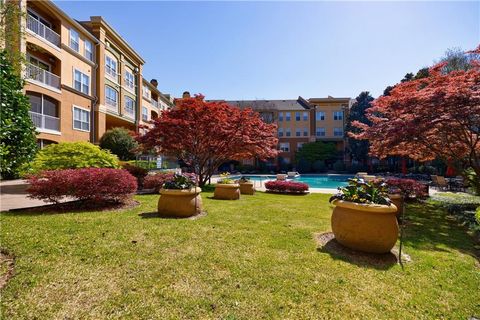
x,y
358,149
314,151
17,132
71,155
120,142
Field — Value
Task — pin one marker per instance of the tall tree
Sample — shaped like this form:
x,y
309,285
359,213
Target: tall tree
x,y
17,132
359,148
433,117
206,134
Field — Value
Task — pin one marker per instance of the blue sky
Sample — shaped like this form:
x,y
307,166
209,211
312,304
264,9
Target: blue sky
x,y
280,50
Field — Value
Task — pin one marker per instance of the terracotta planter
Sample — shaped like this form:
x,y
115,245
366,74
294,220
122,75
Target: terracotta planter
x,y
227,191
397,200
180,203
247,188
365,227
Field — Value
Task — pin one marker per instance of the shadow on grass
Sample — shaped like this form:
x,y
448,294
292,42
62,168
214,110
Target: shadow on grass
x,y
429,227
327,244
158,215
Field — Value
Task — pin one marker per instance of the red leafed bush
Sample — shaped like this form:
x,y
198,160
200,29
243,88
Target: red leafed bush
x,y
88,184
156,181
409,187
286,186
138,172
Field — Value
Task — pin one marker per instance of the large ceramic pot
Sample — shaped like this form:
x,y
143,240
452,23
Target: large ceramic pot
x,y
247,188
180,203
397,200
365,227
225,191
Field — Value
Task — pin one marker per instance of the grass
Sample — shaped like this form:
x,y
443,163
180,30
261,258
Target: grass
x,y
249,259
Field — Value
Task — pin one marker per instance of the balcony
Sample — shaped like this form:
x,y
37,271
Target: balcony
x,y
43,76
156,104
43,31
42,121
112,105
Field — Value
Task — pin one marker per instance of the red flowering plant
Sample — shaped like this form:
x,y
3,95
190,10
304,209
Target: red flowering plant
x,y
156,181
88,184
410,188
286,186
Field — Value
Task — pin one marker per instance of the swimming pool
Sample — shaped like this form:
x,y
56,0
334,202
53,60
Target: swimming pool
x,y
327,181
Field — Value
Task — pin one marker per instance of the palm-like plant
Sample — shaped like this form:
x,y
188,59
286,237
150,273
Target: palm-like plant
x,y
360,191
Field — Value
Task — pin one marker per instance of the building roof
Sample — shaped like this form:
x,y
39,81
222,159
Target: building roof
x,y
280,105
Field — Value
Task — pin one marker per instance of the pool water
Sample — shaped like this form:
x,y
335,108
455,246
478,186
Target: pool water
x,y
327,181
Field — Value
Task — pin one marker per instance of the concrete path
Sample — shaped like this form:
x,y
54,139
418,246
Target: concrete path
x,y
13,195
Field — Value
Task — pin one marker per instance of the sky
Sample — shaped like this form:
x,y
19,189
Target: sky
x,y
282,50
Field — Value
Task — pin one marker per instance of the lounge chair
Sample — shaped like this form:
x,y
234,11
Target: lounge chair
x,y
281,176
442,183
368,178
292,174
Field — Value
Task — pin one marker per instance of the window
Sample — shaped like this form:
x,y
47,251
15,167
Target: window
x,y
44,111
320,132
298,132
146,92
284,146
280,116
280,132
300,145
111,67
338,132
129,80
88,50
74,40
305,132
287,132
129,106
144,114
110,96
297,116
81,119
338,115
319,115
287,116
81,82
305,116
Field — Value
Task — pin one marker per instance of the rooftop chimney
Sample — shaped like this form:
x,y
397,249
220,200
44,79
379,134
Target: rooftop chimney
x,y
186,95
154,82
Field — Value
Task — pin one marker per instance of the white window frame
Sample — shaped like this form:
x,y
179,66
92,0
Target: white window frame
x,y
108,98
144,113
319,115
109,67
305,116
305,132
82,84
338,131
280,116
288,132
131,114
146,92
298,116
288,116
88,53
74,32
300,145
285,146
73,118
128,82
322,131
338,115
298,132
280,132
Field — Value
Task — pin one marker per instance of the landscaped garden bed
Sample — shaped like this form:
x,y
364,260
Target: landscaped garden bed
x,y
255,258
286,187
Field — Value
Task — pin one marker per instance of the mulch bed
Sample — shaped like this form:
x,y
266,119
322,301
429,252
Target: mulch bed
x,y
326,243
79,206
7,263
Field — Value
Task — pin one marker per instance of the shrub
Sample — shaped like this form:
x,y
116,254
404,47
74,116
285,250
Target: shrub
x,y
286,186
360,191
156,181
138,172
120,142
72,155
319,166
89,184
409,187
304,166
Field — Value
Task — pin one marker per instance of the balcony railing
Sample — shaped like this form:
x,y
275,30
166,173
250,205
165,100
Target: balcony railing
x,y
43,76
156,104
42,121
112,105
43,31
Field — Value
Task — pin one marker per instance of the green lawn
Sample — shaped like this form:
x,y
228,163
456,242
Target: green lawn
x,y
250,259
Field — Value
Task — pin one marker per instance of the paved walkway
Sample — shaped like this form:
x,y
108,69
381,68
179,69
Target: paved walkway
x,y
13,195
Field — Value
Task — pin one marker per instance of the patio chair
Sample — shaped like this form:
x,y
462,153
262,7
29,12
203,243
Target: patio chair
x,y
442,183
281,177
292,174
368,178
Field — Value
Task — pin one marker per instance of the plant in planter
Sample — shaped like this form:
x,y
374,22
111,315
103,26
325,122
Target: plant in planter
x,y
246,186
226,188
179,197
364,218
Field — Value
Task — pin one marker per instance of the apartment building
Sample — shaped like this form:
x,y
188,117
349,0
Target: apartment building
x,y
301,121
82,77
153,102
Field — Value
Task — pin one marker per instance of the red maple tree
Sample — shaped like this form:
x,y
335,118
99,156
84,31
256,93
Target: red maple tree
x,y
206,134
433,117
